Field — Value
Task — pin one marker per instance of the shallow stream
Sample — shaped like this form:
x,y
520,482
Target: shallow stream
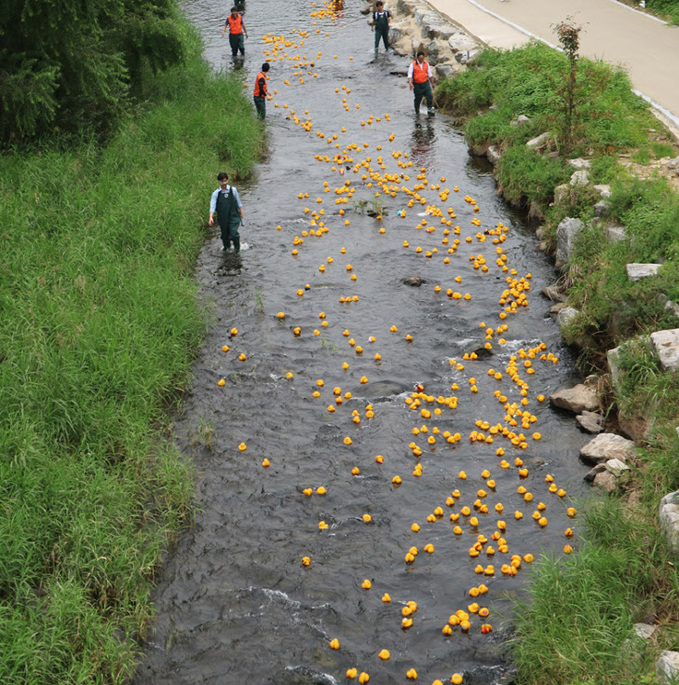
x,y
235,603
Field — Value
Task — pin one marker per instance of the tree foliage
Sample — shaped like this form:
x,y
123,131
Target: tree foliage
x,y
74,64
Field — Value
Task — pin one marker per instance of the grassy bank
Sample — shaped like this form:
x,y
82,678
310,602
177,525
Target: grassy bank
x,y
577,626
98,324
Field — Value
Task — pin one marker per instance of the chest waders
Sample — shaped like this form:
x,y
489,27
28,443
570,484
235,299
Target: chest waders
x,y
381,30
228,217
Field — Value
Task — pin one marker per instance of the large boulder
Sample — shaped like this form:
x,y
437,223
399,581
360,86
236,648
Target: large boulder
x,y
607,446
493,154
576,399
669,520
579,178
666,345
566,235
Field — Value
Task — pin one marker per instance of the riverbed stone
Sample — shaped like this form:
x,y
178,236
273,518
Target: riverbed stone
x,y
645,630
616,234
561,193
635,272
577,399
579,178
414,281
616,467
445,70
565,315
493,154
606,481
521,120
608,446
666,344
558,307
669,520
566,235
601,209
540,142
613,358
553,292
590,421
594,472
604,189
461,42
667,668
672,307
580,163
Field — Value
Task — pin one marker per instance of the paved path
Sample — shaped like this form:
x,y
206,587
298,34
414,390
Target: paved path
x,y
647,48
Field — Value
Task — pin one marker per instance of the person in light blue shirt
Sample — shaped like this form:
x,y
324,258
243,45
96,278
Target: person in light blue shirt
x,y
229,209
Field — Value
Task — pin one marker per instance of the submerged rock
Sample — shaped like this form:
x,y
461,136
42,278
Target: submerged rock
x,y
414,281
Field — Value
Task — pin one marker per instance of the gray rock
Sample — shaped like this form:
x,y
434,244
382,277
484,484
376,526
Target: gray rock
x,y
613,358
396,32
565,315
669,520
579,178
634,427
468,56
673,163
427,21
566,234
420,14
616,467
608,446
600,209
553,292
672,307
580,163
461,42
561,193
445,70
666,344
616,234
636,272
415,281
594,472
521,120
590,421
644,630
540,233
667,668
576,399
493,154
432,51
606,481
540,142
604,189
556,308
479,348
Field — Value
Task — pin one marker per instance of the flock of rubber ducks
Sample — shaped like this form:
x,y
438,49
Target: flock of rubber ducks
x,y
370,172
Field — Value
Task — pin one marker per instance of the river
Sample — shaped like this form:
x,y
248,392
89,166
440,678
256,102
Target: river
x,y
234,602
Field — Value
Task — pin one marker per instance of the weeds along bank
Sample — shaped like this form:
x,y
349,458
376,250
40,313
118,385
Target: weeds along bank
x,y
569,141
99,322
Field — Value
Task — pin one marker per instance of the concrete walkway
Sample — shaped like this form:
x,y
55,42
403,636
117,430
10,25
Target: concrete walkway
x,y
646,47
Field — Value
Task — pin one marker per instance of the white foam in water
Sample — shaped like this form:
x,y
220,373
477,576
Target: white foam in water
x,y
277,595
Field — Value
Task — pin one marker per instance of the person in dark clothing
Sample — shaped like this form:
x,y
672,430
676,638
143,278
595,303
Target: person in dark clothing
x,y
380,23
261,92
236,27
229,209
419,78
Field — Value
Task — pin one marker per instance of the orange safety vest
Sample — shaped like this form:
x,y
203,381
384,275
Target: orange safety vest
x,y
235,25
260,93
420,72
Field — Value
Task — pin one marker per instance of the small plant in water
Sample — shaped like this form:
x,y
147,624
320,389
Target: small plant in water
x,y
203,435
259,300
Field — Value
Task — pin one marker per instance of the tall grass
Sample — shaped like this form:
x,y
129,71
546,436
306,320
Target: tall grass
x,y
98,325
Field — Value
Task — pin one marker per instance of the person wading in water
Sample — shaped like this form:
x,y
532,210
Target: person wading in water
x,y
229,209
380,23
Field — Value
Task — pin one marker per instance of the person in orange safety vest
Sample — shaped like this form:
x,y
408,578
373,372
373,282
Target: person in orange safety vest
x,y
236,27
419,78
261,92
